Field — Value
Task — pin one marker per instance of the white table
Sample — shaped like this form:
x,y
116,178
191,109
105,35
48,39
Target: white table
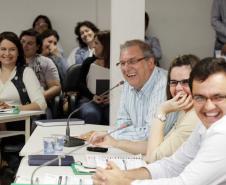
x,y
35,143
24,172
23,115
35,146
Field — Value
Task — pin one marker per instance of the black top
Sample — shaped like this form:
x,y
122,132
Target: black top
x,y
83,89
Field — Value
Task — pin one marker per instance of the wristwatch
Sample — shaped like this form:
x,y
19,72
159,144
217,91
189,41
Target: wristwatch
x,y
161,117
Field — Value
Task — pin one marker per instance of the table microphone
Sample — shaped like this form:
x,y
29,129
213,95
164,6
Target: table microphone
x,y
123,126
71,141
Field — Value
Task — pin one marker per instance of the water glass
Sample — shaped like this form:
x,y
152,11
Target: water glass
x,y
49,145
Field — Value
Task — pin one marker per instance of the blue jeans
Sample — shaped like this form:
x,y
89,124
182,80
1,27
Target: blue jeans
x,y
94,113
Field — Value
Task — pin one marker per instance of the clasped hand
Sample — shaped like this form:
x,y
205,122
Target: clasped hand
x,y
180,102
101,99
112,175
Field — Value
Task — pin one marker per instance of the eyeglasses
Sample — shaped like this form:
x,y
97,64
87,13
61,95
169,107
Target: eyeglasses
x,y
214,99
131,61
173,83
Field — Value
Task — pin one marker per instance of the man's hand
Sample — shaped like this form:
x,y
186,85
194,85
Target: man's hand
x,y
101,139
112,175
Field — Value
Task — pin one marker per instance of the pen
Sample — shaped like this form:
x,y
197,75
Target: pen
x,y
37,180
59,180
80,181
124,162
66,177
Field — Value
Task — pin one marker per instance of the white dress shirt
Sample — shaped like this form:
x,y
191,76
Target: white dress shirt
x,y
201,160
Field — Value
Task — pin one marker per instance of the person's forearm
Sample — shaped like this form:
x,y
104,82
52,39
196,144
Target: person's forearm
x,y
137,174
52,92
134,147
155,139
31,106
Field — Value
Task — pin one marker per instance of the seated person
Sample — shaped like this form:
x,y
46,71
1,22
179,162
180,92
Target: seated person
x,y
19,86
44,68
48,48
201,159
42,23
144,88
92,69
85,32
152,41
179,100
13,68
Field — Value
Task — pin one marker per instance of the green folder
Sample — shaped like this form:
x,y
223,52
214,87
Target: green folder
x,y
78,169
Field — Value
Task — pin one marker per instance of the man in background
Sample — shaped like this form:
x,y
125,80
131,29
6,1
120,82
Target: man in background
x,y
44,68
218,21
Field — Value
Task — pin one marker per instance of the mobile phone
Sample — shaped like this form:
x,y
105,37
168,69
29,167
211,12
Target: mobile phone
x,y
97,149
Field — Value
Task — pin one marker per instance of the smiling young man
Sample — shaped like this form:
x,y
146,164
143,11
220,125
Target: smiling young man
x,y
201,159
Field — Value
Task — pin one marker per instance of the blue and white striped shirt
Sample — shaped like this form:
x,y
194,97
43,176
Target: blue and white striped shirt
x,y
139,107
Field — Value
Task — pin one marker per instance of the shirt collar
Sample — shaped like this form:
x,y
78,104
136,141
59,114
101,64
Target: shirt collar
x,y
148,84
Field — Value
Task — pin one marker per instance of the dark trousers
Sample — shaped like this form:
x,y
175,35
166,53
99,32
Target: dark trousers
x,y
93,113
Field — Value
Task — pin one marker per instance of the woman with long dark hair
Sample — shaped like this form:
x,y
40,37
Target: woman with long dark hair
x,y
93,69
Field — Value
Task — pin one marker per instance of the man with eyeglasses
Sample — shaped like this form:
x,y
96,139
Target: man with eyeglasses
x,y
143,90
201,160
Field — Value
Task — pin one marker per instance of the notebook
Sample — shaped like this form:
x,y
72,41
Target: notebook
x,y
102,86
124,162
37,160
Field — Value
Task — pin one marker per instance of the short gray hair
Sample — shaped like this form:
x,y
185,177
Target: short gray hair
x,y
144,47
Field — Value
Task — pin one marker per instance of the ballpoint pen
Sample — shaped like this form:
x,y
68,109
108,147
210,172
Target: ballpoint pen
x,y
66,177
80,181
124,162
59,180
37,180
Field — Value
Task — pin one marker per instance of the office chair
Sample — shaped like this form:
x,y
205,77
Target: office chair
x,y
70,88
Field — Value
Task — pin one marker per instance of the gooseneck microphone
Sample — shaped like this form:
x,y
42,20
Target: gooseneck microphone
x,y
71,141
76,149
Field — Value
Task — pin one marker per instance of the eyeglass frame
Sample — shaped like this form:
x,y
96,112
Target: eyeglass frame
x,y
184,82
218,98
131,61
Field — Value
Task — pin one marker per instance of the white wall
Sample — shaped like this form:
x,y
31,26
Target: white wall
x,y
18,15
182,26
126,22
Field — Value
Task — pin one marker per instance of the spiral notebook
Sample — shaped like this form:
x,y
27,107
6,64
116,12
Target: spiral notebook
x,y
124,162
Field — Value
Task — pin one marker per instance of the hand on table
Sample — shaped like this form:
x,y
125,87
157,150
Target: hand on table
x,y
112,175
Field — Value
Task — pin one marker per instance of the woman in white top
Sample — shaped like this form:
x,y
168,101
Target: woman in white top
x,y
94,70
12,60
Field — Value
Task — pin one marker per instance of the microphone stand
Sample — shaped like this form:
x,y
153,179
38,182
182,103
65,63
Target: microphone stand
x,y
72,141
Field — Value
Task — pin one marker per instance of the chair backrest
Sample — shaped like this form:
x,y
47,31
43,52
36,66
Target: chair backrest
x,y
72,78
